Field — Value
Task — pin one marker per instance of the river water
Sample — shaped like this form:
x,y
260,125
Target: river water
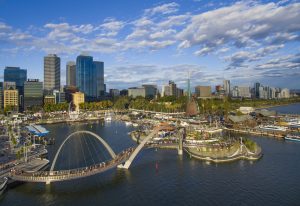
x,y
162,177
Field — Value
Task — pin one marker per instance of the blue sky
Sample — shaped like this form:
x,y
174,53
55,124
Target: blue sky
x,y
156,41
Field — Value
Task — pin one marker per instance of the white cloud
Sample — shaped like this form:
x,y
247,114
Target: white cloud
x,y
162,34
163,9
240,24
111,27
174,21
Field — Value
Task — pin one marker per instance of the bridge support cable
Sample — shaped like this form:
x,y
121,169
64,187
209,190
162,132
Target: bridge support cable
x,y
80,139
94,149
89,150
109,149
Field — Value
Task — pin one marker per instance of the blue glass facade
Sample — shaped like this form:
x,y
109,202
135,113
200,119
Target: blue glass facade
x,y
15,74
90,77
19,76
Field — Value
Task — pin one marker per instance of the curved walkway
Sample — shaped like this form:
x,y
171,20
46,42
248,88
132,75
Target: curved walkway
x,y
64,175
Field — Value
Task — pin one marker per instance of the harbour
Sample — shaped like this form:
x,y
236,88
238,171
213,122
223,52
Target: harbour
x,y
163,164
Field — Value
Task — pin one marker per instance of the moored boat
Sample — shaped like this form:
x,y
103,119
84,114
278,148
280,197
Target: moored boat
x,y
273,128
128,123
292,137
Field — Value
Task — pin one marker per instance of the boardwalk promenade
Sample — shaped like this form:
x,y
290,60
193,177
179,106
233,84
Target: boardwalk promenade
x,y
253,131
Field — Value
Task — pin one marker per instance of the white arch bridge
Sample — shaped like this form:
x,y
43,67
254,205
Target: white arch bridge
x,y
122,160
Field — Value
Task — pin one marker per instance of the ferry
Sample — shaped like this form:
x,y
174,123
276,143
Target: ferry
x,y
292,137
3,183
273,128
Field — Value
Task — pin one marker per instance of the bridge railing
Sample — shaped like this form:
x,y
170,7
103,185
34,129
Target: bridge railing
x,y
65,174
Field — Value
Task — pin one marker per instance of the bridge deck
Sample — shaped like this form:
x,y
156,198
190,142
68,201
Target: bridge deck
x,y
63,175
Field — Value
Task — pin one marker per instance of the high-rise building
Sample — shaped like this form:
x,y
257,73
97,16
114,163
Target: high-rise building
x,y
71,74
226,87
203,91
285,93
272,93
51,73
241,92
19,76
90,77
1,95
256,89
33,93
150,90
78,98
15,74
173,88
179,92
11,98
166,91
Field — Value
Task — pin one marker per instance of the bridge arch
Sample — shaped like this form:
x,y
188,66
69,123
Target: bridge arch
x,y
127,164
109,149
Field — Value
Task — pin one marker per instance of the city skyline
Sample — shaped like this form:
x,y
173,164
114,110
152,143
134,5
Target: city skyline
x,y
244,42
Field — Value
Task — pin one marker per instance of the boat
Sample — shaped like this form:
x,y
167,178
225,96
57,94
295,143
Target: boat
x,y
128,123
273,128
292,137
135,124
3,183
107,117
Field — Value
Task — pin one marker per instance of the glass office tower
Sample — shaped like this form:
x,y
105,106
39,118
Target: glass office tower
x,y
19,76
90,77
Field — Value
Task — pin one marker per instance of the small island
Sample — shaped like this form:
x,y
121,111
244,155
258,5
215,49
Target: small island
x,y
214,146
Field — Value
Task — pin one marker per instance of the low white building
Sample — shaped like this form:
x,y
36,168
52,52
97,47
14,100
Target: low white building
x,y
246,110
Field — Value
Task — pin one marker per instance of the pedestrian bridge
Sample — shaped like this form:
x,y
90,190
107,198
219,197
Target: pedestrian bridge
x,y
122,160
64,175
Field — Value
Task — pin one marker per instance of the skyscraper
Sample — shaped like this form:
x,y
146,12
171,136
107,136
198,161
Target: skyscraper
x,y
19,76
90,77
173,88
15,74
51,72
71,74
256,88
99,70
1,95
226,87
